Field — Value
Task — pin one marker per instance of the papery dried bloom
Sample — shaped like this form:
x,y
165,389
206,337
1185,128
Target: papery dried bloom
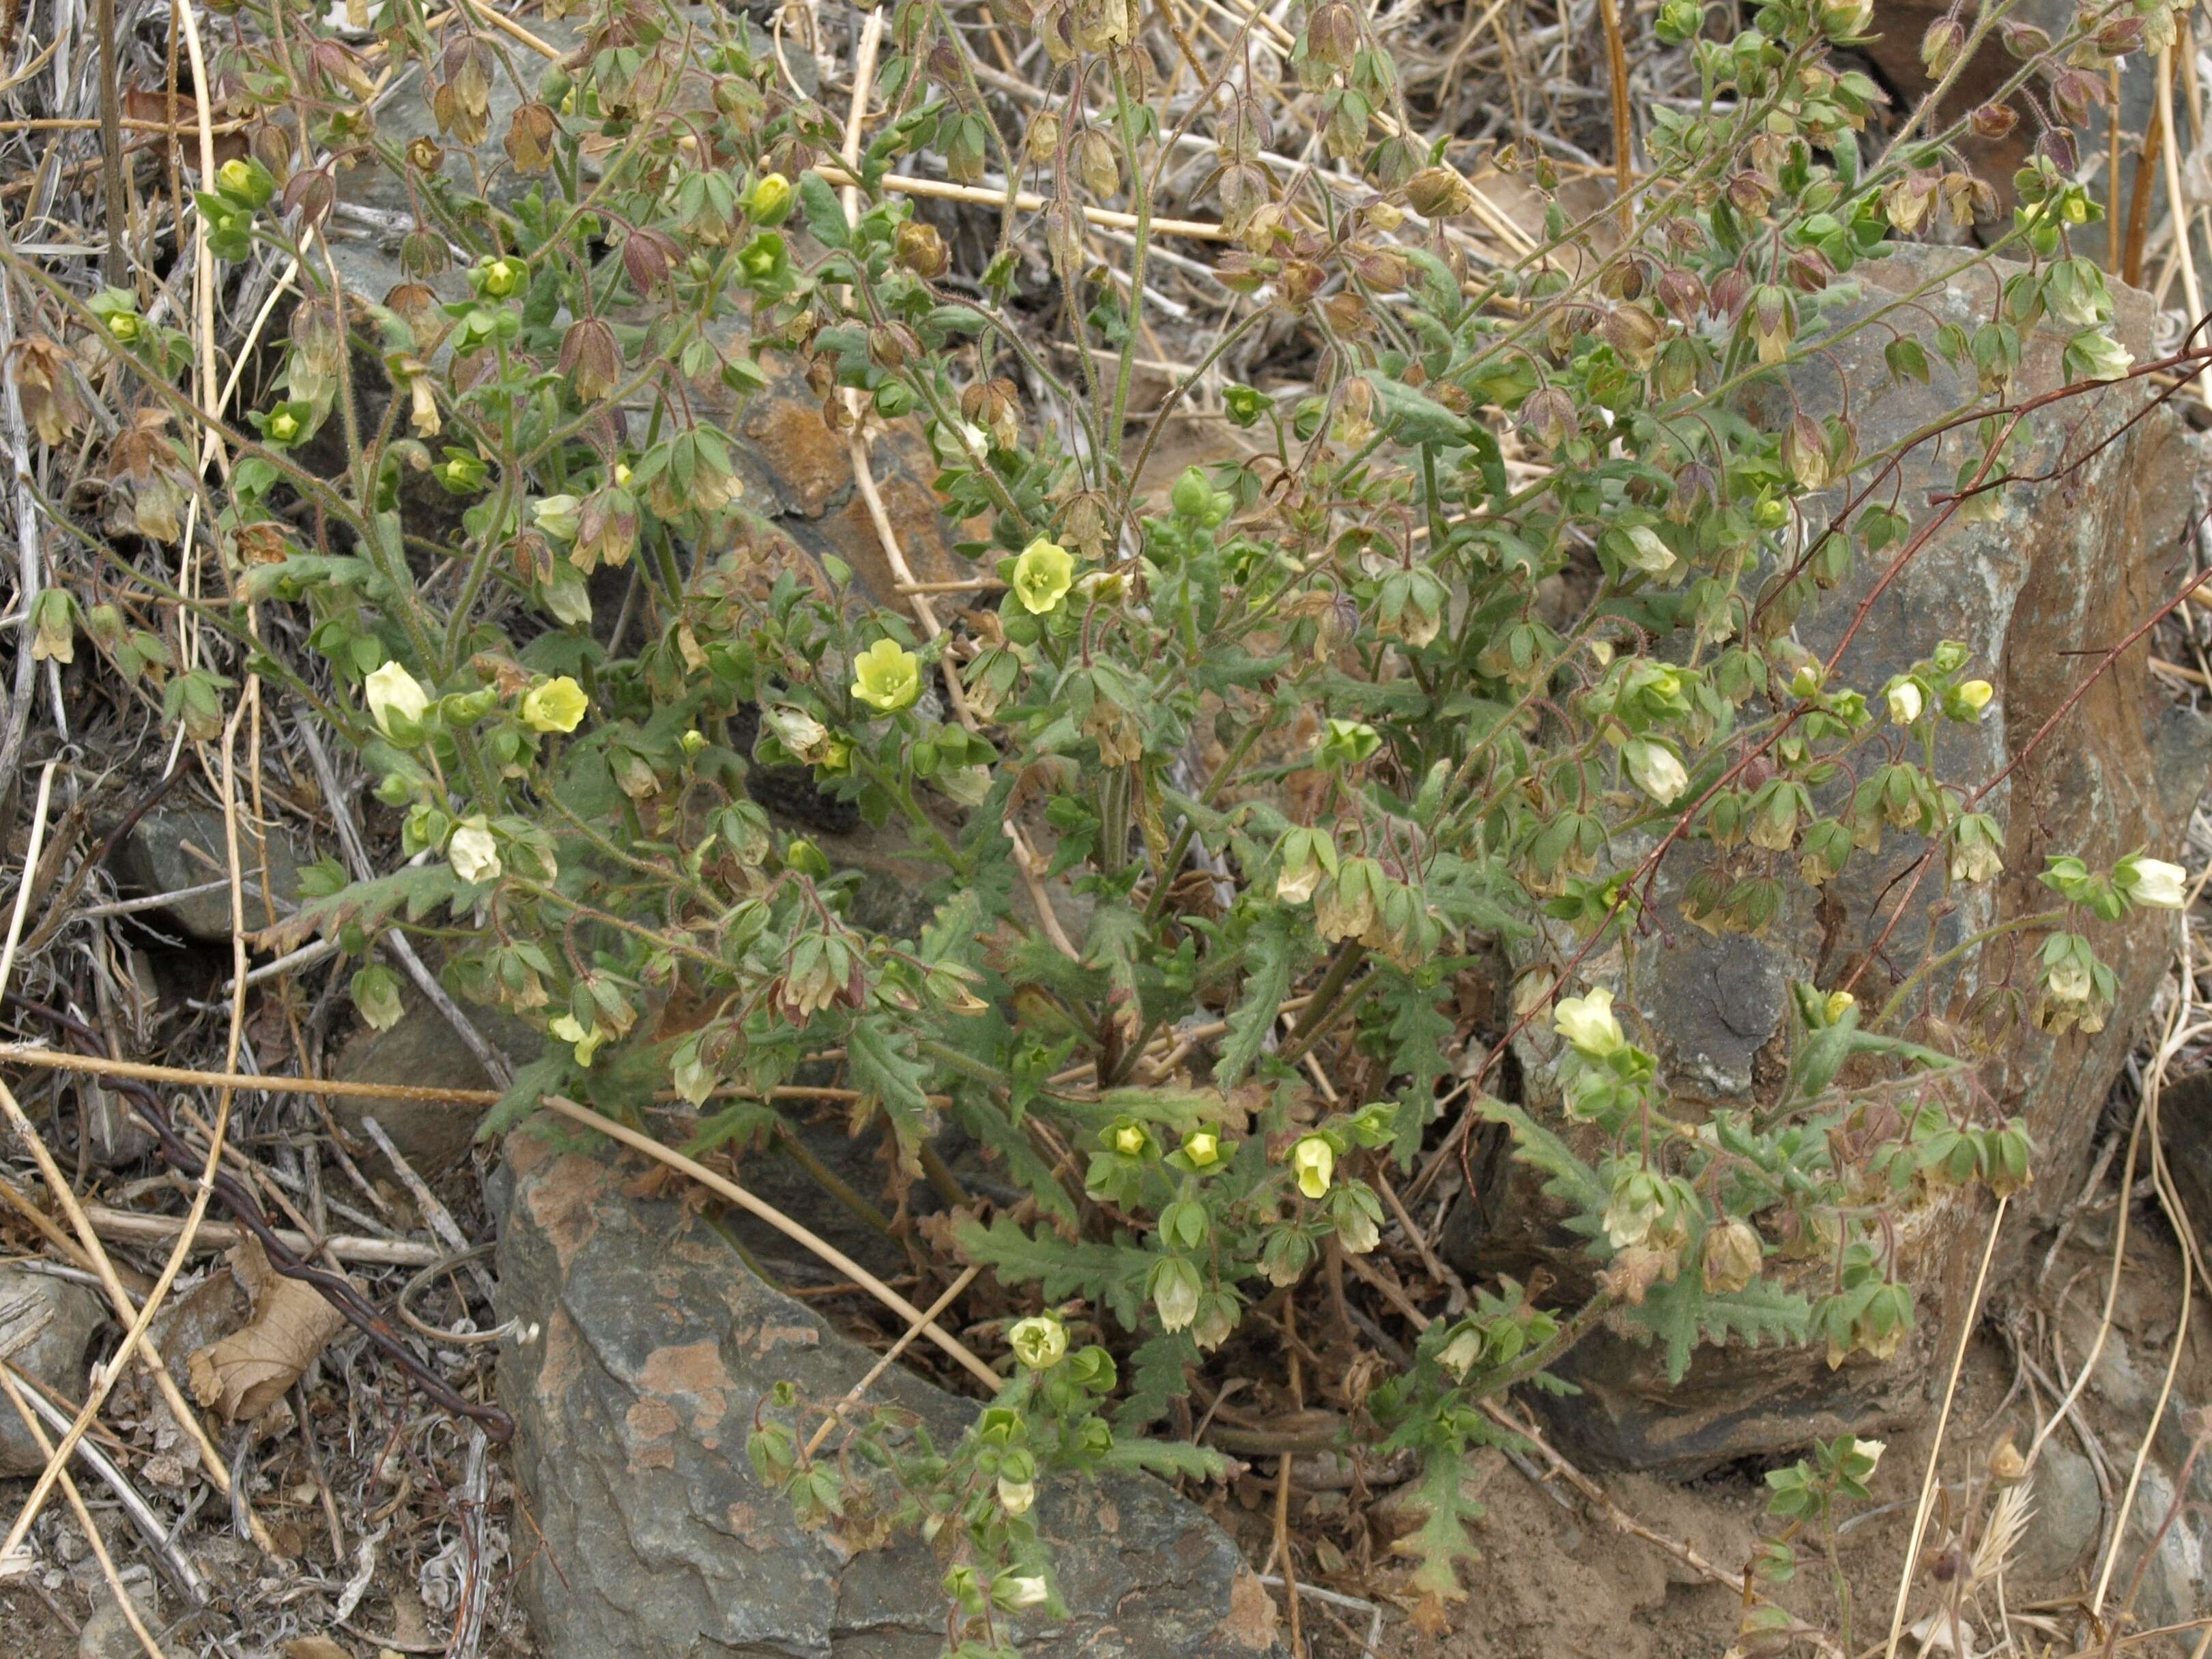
x,y
1439,193
1092,160
647,257
591,355
530,133
47,383
1940,45
417,306
922,250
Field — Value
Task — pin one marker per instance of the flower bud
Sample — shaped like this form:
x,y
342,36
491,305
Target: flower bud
x,y
1677,20
1992,120
245,180
1846,20
769,200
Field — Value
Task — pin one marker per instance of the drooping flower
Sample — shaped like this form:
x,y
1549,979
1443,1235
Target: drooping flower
x,y
1015,1497
1647,552
586,1038
2155,882
1313,1162
2098,356
1174,1293
1637,1202
556,706
1734,1256
1904,700
472,852
1459,1355
1588,1023
1972,697
392,690
1043,576
887,676
1654,769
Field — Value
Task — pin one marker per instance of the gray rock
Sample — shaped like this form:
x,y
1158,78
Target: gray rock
x,y
365,244
2185,1126
424,1048
170,851
646,1346
2037,596
107,1634
2070,1518
46,1328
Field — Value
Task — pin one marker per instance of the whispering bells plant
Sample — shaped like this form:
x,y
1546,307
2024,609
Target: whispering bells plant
x,y
1305,722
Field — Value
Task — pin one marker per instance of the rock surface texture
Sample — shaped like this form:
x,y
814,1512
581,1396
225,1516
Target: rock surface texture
x,y
2071,566
46,1328
646,1345
183,849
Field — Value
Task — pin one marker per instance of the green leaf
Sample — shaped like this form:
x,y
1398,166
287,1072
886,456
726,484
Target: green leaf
x,y
1572,1181
738,1121
1169,1459
880,1061
413,892
1420,1034
1271,950
1683,1313
1441,1543
1412,416
1110,1274
531,1083
824,214
978,1111
1157,1379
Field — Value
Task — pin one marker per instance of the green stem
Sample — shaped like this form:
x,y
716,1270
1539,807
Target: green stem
x,y
1127,368
1329,1000
1912,980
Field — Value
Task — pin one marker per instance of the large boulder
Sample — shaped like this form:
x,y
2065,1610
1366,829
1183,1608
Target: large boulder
x,y
2039,595
644,1347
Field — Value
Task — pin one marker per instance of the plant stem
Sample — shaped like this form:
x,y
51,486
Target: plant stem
x,y
1322,1012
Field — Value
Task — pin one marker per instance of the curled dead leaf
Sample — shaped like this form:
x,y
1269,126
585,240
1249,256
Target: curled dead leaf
x,y
244,1374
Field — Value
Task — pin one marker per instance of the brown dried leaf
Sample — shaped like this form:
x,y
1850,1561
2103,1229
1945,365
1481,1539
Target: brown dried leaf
x,y
243,1375
315,1647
